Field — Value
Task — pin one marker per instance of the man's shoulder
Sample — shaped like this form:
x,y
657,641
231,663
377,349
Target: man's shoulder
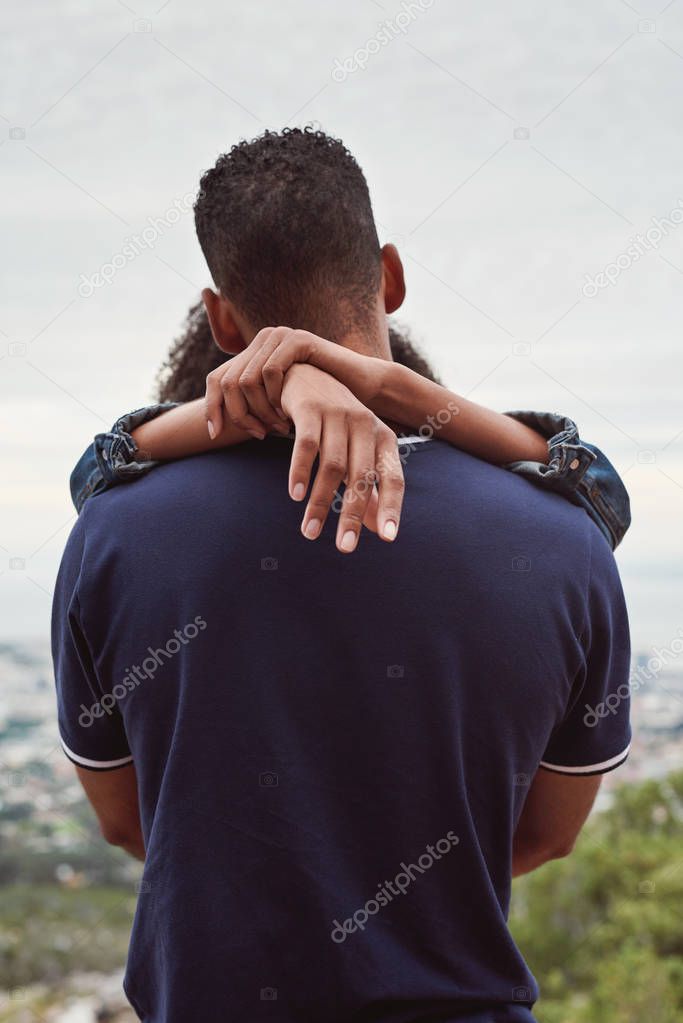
x,y
475,499
468,477
189,490
166,478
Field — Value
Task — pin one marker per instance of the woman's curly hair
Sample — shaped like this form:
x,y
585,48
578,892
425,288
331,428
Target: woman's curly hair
x,y
194,354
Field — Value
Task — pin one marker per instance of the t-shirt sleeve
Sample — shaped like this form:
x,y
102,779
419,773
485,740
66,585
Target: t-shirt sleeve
x,y
594,736
90,725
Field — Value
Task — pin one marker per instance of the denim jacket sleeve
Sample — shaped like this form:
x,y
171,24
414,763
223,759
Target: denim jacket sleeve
x,y
111,458
578,471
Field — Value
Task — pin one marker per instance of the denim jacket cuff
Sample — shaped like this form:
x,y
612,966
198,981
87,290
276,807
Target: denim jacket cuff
x,y
116,451
111,458
568,458
578,471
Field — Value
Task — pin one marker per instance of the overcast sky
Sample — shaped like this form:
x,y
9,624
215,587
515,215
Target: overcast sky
x,y
513,153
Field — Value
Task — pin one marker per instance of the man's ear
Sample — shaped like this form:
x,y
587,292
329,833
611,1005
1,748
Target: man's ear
x,y
224,328
393,281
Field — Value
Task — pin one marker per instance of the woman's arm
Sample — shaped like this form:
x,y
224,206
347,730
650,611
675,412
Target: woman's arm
x,y
544,447
541,446
434,411
404,397
331,425
250,384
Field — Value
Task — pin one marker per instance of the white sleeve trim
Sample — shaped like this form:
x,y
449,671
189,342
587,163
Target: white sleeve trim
x,y
102,764
589,768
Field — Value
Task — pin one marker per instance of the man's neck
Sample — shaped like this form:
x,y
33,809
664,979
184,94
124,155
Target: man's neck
x,y
373,341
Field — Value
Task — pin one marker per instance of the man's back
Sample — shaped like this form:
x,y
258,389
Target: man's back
x,y
333,751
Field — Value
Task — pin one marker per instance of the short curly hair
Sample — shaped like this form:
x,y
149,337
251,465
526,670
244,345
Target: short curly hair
x,y
286,226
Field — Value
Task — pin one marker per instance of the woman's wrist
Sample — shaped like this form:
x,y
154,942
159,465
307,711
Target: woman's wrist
x,y
365,376
182,432
408,398
402,395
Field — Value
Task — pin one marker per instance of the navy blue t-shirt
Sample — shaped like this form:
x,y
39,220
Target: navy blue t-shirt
x,y
332,751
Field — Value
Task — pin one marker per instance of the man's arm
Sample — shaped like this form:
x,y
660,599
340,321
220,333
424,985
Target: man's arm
x,y
555,810
113,796
94,741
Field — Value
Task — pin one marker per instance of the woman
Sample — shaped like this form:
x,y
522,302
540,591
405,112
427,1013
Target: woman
x,y
176,425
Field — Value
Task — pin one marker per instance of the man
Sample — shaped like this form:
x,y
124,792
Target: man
x,y
339,762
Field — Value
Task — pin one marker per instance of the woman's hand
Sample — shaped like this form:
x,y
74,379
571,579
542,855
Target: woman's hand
x,y
248,388
353,446
264,387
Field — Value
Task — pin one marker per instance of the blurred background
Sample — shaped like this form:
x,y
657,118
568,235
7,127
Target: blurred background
x,y
526,161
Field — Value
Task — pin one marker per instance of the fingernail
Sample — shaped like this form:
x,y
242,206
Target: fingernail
x,y
348,540
256,435
390,530
282,415
312,529
211,429
299,492
281,428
